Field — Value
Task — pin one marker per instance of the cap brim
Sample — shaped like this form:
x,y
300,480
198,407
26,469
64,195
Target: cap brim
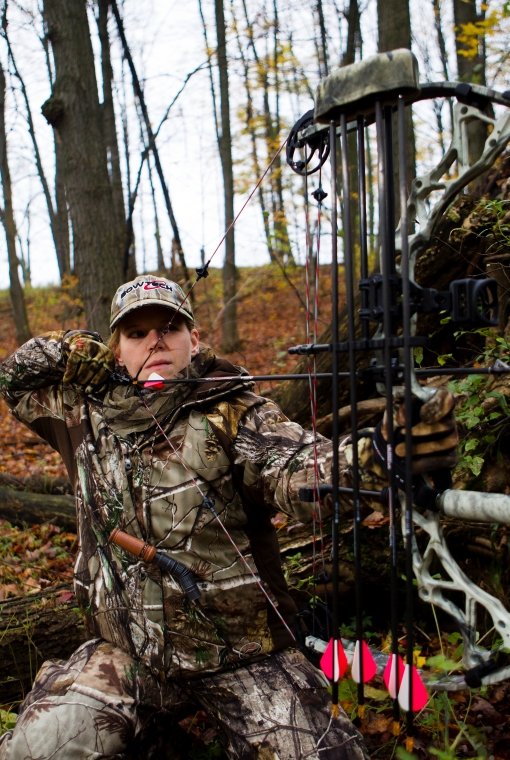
x,y
138,305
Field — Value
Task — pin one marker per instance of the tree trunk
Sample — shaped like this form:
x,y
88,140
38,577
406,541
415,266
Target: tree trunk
x,y
323,59
470,69
262,72
58,216
74,110
61,217
159,248
109,129
230,336
353,44
16,291
281,229
152,142
394,28
251,129
441,43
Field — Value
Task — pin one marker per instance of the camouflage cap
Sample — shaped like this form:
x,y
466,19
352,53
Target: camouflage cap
x,y
147,290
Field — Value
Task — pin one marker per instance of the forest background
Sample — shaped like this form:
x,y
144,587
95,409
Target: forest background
x,y
131,134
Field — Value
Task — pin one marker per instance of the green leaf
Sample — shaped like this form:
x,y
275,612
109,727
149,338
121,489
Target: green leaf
x,y
443,358
476,465
454,637
418,355
471,444
440,662
347,689
403,754
377,694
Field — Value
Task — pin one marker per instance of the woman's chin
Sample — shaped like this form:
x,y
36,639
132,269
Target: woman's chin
x,y
159,372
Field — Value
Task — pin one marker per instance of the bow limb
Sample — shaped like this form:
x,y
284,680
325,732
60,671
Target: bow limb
x,y
479,662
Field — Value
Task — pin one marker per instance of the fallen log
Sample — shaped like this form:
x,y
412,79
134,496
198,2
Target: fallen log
x,y
35,628
20,507
366,410
37,484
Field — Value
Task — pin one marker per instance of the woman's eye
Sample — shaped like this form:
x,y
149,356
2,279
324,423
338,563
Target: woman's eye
x,y
136,334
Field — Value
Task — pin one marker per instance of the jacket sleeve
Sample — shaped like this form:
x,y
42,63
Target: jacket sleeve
x,y
278,459
31,379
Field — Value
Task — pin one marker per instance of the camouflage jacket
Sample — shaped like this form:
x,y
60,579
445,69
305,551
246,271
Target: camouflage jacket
x,y
239,448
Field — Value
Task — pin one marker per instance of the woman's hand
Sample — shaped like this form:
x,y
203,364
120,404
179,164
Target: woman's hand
x,y
89,361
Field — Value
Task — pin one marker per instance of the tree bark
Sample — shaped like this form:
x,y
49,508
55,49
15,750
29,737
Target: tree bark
x,y
61,215
230,335
16,291
74,110
109,128
394,28
470,69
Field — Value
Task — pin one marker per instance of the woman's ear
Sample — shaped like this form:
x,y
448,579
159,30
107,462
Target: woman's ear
x,y
118,358
195,348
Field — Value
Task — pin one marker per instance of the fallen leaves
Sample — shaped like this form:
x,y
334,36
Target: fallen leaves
x,y
33,558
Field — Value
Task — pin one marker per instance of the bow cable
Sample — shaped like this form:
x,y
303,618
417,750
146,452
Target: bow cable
x,y
312,333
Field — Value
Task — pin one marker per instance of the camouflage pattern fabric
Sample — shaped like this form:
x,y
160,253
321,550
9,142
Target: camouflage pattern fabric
x,y
236,446
103,704
89,362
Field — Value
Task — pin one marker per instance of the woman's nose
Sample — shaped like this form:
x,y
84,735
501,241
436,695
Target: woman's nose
x,y
154,338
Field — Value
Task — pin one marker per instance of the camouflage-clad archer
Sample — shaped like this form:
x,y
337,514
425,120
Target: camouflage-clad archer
x,y
237,446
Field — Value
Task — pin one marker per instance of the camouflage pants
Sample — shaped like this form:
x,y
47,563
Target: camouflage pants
x,y
103,704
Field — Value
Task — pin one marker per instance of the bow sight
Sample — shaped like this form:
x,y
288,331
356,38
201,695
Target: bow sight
x,y
378,90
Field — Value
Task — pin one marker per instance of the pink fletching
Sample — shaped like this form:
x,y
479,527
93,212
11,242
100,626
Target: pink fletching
x,y
334,667
389,674
420,695
369,665
156,385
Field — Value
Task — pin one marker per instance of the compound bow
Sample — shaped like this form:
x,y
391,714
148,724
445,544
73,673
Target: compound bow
x,y
348,101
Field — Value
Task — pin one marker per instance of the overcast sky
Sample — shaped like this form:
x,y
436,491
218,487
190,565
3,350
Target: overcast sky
x,y
167,43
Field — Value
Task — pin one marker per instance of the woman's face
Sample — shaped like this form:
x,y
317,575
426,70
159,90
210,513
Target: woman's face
x,y
140,333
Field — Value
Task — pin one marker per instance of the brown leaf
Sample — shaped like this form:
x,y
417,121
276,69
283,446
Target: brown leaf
x,y
280,520
375,520
64,597
489,713
377,724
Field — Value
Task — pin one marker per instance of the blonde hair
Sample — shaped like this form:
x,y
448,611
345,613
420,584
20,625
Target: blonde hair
x,y
114,339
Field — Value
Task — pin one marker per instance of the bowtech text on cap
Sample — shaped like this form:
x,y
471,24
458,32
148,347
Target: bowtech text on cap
x,y
147,290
